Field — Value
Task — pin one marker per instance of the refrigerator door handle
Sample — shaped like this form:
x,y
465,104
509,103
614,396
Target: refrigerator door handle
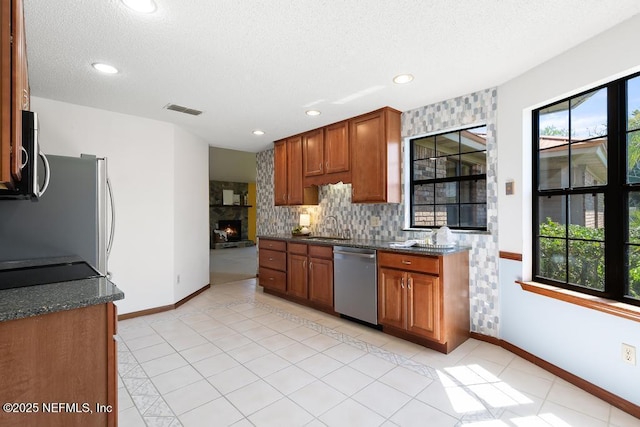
x,y
47,174
112,203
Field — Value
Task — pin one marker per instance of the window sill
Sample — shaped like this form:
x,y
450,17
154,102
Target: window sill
x,y
604,305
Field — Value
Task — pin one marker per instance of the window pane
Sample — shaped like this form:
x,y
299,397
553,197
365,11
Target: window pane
x,y
633,157
423,216
473,164
551,259
447,167
441,215
424,148
423,194
551,216
554,120
589,163
634,218
586,216
586,264
446,192
424,169
447,144
473,139
554,166
633,103
633,272
473,191
589,115
452,215
473,215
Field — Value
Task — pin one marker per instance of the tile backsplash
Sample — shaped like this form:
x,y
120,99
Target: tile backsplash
x,y
335,200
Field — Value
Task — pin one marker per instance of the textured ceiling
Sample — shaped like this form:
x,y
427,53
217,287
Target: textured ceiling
x,y
260,64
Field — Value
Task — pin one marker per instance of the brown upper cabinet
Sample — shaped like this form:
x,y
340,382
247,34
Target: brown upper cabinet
x,y
326,155
287,176
14,89
375,157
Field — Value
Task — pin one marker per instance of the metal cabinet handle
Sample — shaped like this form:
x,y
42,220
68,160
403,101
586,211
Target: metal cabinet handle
x,y
327,165
405,262
271,278
270,259
304,264
402,283
310,265
320,166
409,284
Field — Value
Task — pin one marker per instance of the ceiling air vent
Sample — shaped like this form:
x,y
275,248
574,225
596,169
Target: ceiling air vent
x,y
181,109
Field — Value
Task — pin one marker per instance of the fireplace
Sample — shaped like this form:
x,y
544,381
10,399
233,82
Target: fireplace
x,y
233,228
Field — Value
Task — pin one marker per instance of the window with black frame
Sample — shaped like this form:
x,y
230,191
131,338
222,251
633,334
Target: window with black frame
x,y
448,180
586,198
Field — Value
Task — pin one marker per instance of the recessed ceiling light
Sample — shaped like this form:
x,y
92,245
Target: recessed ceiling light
x,y
312,113
402,78
105,68
142,6
258,132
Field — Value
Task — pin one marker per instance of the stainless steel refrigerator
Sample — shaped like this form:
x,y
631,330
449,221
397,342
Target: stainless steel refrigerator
x,y
74,217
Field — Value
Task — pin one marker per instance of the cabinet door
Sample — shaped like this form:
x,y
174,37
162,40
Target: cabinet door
x,y
20,85
423,305
280,173
297,275
5,93
294,171
368,158
337,148
321,281
391,298
313,152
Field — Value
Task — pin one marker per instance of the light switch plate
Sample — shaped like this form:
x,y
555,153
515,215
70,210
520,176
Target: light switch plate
x,y
509,188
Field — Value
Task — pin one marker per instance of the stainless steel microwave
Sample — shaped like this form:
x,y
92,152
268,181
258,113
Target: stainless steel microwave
x,y
34,168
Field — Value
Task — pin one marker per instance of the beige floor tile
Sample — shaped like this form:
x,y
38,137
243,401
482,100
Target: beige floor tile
x,y
215,364
381,398
173,380
266,365
289,379
416,414
191,396
253,397
319,365
284,412
405,380
347,380
232,379
351,413
220,410
317,397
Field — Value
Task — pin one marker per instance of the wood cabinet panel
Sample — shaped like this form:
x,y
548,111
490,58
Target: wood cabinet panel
x,y
20,85
274,260
280,173
287,175
375,157
391,298
423,305
68,356
297,276
272,279
313,152
425,264
321,281
318,251
5,94
425,298
274,245
297,248
336,141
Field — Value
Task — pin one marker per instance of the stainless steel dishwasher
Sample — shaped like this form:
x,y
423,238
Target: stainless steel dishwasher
x,y
355,289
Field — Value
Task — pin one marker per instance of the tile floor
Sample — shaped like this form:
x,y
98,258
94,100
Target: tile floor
x,y
236,356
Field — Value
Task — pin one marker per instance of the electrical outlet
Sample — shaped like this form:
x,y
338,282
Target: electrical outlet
x,y
375,221
629,354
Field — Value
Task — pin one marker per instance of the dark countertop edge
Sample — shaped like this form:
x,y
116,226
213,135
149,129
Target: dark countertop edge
x,y
380,245
28,301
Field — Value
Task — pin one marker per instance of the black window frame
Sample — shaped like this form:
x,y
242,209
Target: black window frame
x,y
616,195
457,179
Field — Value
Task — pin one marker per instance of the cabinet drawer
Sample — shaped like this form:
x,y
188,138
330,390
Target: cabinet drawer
x,y
297,248
273,259
321,251
274,245
421,263
272,279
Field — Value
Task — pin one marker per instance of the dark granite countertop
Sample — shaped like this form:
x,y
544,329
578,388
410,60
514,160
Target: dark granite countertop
x,y
36,300
368,244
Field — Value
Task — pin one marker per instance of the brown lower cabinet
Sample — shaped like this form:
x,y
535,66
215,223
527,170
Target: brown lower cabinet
x,y
297,271
59,369
425,298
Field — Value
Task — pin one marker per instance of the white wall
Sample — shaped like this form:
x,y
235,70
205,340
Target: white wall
x,y
142,169
582,341
191,213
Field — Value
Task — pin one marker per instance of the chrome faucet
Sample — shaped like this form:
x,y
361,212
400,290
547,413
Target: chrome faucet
x,y
335,224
